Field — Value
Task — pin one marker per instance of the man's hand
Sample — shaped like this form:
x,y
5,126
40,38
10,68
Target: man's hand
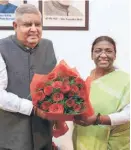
x,y
40,113
84,121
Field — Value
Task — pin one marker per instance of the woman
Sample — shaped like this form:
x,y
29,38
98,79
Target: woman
x,y
108,129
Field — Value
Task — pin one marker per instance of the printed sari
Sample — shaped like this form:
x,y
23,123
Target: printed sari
x,y
108,94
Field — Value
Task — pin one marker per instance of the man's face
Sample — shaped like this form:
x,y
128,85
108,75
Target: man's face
x,y
103,54
64,2
29,29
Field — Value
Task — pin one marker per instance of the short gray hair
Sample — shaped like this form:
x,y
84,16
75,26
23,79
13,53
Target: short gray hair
x,y
26,9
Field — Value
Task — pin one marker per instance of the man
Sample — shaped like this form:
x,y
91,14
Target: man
x,y
60,8
6,7
22,55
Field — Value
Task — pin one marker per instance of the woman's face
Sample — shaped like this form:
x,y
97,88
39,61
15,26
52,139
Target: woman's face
x,y
103,55
64,2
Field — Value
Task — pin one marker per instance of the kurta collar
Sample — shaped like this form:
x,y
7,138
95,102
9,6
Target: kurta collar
x,y
23,47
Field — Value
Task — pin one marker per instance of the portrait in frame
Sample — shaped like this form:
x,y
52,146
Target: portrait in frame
x,y
56,14
63,15
7,9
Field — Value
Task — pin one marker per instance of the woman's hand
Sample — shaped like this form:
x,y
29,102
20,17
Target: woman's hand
x,y
84,121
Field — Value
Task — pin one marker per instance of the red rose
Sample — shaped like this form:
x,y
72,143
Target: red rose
x,y
45,105
52,76
48,90
39,86
65,88
70,102
57,84
79,81
77,107
81,94
71,94
38,96
66,80
57,97
74,88
56,108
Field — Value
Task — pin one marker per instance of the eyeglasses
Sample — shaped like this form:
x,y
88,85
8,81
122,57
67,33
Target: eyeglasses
x,y
105,51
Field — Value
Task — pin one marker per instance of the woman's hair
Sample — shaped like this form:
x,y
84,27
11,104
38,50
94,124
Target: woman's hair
x,y
26,9
104,38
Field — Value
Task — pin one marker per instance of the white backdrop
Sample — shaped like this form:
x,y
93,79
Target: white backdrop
x,y
106,17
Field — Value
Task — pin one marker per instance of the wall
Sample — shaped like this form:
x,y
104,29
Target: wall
x,y
106,17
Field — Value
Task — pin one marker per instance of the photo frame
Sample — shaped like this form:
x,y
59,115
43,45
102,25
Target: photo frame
x,y
7,15
76,19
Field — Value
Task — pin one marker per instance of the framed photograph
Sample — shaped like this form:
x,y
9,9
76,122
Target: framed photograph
x,y
65,15
56,15
7,9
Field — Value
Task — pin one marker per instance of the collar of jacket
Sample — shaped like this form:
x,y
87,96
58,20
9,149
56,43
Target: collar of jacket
x,y
23,47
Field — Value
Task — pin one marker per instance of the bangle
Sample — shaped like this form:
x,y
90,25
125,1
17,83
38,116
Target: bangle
x,y
97,119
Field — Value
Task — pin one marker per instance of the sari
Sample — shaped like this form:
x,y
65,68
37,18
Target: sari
x,y
108,94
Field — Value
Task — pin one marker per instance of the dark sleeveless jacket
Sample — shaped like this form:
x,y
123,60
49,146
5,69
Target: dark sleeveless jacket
x,y
17,131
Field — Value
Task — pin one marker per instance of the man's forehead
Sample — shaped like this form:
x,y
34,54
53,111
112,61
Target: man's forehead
x,y
29,15
30,18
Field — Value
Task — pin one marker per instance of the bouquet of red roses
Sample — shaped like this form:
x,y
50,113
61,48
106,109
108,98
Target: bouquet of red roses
x,y
61,94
